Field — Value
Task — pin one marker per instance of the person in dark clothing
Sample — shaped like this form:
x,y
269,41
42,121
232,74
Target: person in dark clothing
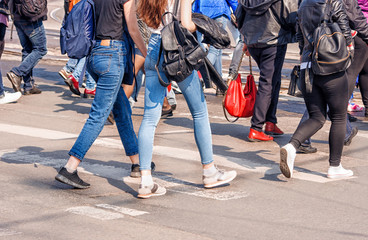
x,y
32,37
358,23
320,91
267,44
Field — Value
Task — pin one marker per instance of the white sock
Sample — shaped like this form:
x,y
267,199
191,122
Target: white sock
x,y
147,180
210,171
70,170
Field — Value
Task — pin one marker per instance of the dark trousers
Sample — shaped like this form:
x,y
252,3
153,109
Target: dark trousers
x,y
331,91
357,64
269,61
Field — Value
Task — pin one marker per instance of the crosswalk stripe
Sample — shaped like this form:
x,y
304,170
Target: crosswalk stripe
x,y
123,210
7,232
110,171
95,213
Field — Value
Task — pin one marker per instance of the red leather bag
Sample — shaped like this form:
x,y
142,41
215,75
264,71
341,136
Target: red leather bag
x,y
239,102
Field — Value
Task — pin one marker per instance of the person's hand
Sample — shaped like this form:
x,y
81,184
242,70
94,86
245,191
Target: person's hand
x,y
245,50
350,47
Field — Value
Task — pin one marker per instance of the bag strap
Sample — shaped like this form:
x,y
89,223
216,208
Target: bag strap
x,y
327,14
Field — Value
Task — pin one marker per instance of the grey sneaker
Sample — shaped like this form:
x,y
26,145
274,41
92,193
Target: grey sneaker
x,y
220,177
149,191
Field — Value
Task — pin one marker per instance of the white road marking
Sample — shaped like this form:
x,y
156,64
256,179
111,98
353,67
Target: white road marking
x,y
123,210
35,132
119,173
7,232
95,213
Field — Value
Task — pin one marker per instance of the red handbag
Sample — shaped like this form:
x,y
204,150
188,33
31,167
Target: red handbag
x,y
238,102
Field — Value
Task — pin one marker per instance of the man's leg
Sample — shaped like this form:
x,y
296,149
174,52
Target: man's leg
x,y
32,34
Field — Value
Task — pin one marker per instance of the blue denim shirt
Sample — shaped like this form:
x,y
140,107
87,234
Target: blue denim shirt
x,y
215,8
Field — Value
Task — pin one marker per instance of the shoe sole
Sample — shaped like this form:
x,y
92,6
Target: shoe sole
x,y
145,196
13,85
88,96
64,180
219,183
257,140
71,87
284,168
273,134
340,176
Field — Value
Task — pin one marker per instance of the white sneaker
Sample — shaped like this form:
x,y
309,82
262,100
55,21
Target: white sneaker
x,y
152,190
339,172
220,177
10,97
287,158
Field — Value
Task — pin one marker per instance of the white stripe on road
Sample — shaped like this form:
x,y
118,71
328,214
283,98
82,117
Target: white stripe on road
x,y
35,132
7,232
119,173
95,213
112,172
123,210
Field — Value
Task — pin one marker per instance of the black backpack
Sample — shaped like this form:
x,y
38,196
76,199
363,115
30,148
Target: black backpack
x,y
31,8
181,50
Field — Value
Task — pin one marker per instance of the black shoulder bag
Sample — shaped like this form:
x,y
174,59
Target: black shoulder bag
x,y
181,50
330,53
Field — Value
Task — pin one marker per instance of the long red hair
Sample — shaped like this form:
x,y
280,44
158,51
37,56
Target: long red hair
x,y
151,11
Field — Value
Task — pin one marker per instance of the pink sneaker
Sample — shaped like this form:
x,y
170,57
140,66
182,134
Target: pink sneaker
x,y
353,107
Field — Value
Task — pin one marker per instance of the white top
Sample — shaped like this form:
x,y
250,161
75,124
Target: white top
x,y
170,8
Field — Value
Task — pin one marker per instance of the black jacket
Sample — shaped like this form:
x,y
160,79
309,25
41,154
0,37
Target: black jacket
x,y
268,22
310,14
357,20
18,17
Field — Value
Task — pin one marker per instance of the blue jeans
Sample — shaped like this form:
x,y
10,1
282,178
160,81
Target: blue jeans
x,y
106,65
153,99
32,37
215,55
70,65
90,82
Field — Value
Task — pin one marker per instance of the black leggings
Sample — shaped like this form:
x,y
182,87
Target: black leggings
x,y
331,90
363,84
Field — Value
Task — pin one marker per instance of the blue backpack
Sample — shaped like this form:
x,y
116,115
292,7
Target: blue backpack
x,y
77,33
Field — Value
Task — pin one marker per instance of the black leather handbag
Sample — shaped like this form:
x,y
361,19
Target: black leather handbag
x,y
294,85
181,50
330,54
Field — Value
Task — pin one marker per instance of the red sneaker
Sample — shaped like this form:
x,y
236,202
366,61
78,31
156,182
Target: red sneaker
x,y
256,136
272,129
73,84
89,93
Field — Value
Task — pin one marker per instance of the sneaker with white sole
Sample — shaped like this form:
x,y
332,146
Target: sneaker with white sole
x,y
9,97
220,177
339,172
150,191
287,158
